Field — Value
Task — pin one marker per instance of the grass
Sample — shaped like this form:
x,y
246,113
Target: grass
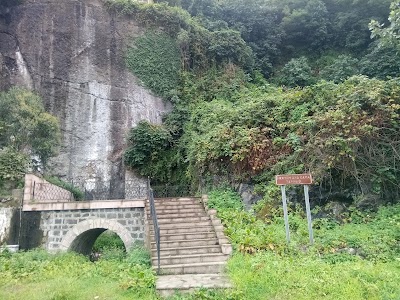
x,y
67,288
267,275
39,275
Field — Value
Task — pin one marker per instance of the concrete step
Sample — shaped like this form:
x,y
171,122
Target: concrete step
x,y
176,225
188,250
194,268
177,199
181,215
183,229
185,243
177,206
166,285
181,220
177,211
185,236
190,258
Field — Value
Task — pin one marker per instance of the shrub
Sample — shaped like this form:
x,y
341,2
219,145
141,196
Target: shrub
x,y
343,67
108,239
297,72
224,199
77,193
25,126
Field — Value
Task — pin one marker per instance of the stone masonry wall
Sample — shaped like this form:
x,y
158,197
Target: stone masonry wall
x,y
56,224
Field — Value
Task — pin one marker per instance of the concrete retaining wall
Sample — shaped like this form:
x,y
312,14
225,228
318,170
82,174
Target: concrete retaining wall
x,y
6,215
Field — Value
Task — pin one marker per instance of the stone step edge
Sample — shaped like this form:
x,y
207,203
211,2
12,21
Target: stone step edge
x,y
180,225
181,219
175,203
186,248
177,210
177,222
193,240
203,227
189,281
184,206
211,263
189,233
226,246
182,216
191,255
177,198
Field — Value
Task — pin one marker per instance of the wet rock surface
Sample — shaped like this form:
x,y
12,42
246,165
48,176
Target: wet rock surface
x,y
72,54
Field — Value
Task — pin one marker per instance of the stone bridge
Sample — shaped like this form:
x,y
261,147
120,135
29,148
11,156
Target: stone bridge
x,y
65,224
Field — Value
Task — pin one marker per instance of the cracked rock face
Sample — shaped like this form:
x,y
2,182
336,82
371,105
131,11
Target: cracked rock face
x,y
71,53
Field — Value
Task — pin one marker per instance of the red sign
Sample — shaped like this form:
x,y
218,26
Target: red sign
x,y
293,179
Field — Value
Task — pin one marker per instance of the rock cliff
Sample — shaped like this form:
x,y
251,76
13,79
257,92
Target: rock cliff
x,y
72,53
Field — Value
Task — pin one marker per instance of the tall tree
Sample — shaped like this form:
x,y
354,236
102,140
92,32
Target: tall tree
x,y
390,34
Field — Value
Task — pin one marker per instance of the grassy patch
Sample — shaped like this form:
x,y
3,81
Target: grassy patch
x,y
39,275
267,275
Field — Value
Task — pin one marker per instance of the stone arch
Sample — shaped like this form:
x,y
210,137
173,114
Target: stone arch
x,y
82,236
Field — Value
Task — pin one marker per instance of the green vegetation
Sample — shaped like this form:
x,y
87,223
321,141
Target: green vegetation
x,y
355,256
154,58
231,122
39,275
388,35
28,135
270,276
373,236
77,193
259,88
108,239
148,150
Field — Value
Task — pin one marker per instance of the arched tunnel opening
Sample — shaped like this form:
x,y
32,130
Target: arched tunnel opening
x,y
94,242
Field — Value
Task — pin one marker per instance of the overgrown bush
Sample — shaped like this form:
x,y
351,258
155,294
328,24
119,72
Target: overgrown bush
x,y
13,165
342,68
108,239
344,134
224,199
28,135
25,126
297,72
372,236
150,152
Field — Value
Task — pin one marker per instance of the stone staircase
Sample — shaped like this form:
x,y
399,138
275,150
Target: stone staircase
x,y
193,248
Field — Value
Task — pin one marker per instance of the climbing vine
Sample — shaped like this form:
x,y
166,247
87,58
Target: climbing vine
x,y
155,59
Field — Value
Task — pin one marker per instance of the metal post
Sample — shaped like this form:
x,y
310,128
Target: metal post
x,y
285,213
310,230
33,190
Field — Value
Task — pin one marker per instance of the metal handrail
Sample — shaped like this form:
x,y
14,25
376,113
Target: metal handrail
x,y
153,213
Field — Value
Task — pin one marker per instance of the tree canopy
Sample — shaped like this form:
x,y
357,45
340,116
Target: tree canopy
x,y
268,86
389,34
27,133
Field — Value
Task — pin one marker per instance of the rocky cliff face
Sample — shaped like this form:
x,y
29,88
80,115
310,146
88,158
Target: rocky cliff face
x,y
71,52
